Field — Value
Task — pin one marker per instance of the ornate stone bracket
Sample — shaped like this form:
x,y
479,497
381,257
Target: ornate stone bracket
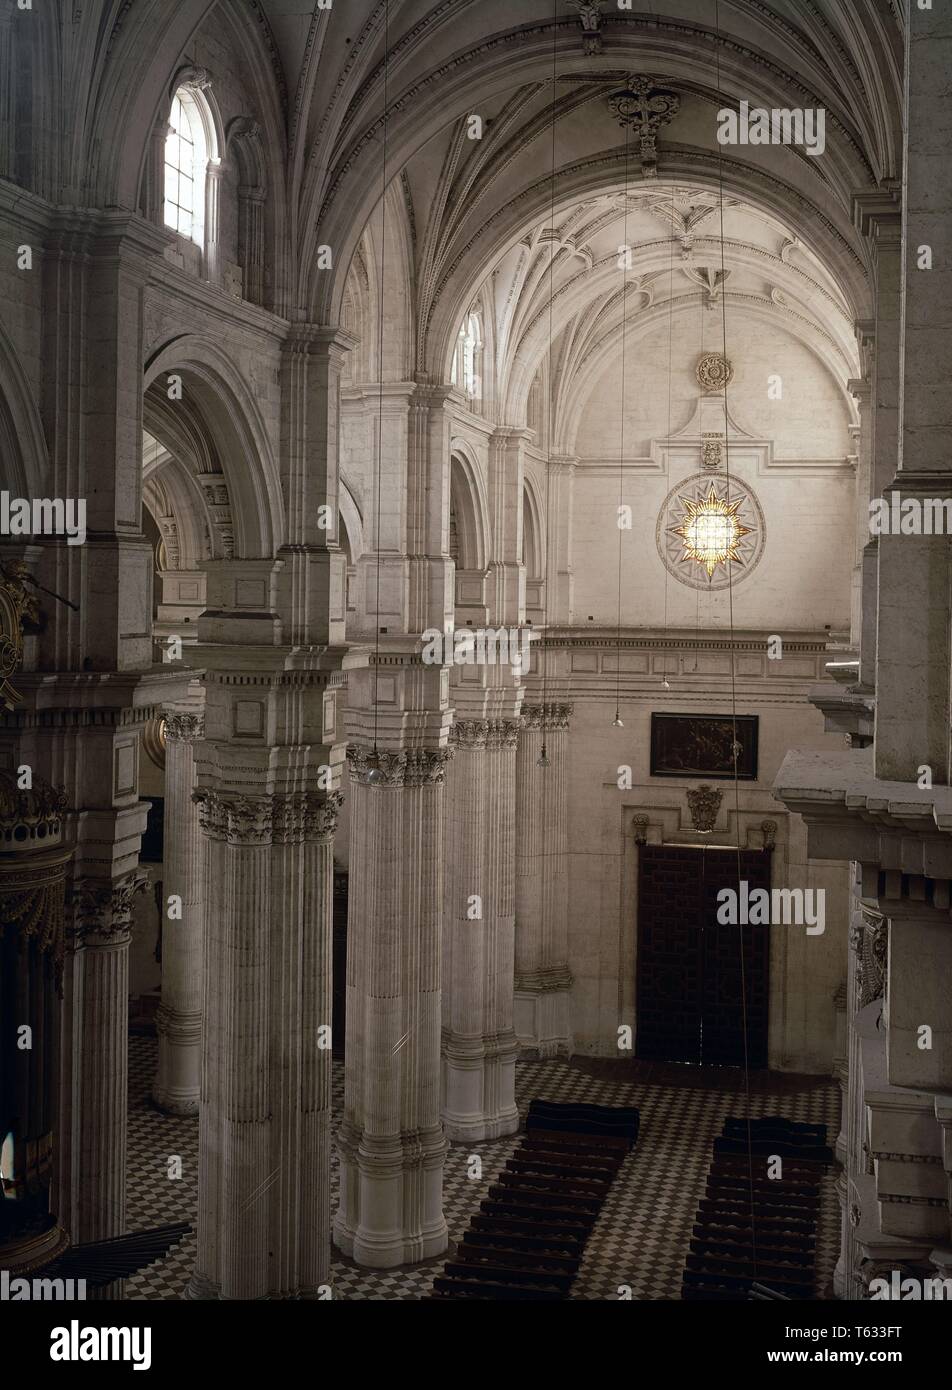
x,y
590,18
645,108
869,938
18,605
704,803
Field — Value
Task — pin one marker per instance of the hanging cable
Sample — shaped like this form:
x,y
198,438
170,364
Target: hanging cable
x,y
730,600
375,774
544,755
625,253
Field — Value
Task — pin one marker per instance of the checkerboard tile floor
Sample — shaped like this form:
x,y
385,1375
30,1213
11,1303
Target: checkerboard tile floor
x,y
642,1234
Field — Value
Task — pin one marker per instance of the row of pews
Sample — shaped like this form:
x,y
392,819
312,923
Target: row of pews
x,y
755,1235
527,1239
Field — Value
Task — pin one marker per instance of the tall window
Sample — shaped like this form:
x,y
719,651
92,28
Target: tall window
x,y
186,164
467,362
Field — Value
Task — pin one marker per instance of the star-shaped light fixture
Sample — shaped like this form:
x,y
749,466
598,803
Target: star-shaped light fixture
x,y
711,531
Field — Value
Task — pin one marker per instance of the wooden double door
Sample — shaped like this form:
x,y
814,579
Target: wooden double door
x,y
692,991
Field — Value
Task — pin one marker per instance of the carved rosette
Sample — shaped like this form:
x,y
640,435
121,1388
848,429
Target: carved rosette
x,y
546,716
714,373
485,733
183,727
413,767
267,820
704,803
101,913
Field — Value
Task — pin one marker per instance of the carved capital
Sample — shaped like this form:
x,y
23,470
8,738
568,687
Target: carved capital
x,y
413,767
267,820
183,727
485,733
548,716
640,827
101,913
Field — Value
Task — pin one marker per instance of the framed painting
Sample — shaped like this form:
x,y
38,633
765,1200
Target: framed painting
x,y
702,745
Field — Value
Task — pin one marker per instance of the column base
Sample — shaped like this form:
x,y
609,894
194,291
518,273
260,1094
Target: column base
x,y
184,1104
203,1290
177,1086
478,1084
541,1018
391,1200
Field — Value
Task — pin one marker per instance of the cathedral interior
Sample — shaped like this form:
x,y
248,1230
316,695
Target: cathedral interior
x,y
476,657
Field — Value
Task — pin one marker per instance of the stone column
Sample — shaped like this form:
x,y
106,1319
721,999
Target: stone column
x,y
391,1142
479,1044
543,979
920,968
179,1018
101,929
265,1163
914,650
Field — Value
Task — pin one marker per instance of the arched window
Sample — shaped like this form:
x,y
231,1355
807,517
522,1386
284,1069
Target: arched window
x,y
468,359
188,148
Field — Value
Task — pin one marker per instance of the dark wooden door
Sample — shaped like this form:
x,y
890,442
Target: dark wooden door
x,y
690,997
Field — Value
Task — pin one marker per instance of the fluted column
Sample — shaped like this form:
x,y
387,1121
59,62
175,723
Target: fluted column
x,y
543,980
101,932
264,1163
479,1043
391,1142
179,1018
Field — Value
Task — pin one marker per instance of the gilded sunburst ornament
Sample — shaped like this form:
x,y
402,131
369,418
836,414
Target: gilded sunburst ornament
x,y
710,531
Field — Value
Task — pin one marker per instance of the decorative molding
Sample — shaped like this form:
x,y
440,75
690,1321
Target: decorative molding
x,y
29,819
869,938
183,727
485,733
413,767
547,716
590,17
645,108
704,803
714,373
101,913
640,827
236,819
712,450
18,605
769,828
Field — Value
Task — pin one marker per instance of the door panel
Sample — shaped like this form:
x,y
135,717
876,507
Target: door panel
x,y
689,996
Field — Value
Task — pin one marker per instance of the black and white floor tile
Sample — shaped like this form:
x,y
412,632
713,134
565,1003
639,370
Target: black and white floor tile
x,y
642,1235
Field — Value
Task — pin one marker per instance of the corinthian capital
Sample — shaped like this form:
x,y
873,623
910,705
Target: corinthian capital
x,y
183,727
413,767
